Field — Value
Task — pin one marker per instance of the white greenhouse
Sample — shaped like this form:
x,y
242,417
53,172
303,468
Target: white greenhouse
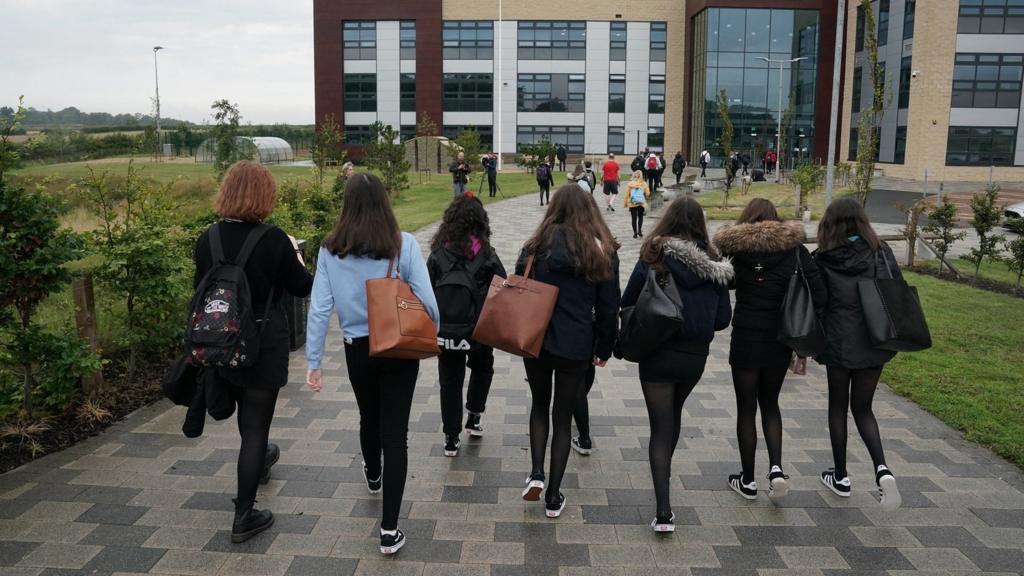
x,y
265,149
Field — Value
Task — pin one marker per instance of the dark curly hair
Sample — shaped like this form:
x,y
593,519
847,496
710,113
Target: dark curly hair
x,y
464,217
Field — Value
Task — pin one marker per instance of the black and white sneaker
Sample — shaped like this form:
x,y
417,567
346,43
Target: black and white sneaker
x,y
473,426
891,499
777,485
451,445
583,446
664,525
746,489
534,488
372,485
554,509
841,486
391,543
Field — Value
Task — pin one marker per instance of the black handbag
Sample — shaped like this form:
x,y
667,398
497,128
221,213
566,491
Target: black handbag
x,y
800,328
893,313
656,317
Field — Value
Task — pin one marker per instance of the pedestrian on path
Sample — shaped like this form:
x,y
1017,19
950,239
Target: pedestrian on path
x,y
490,164
573,250
652,164
461,264
579,177
272,264
680,251
610,181
849,251
545,179
764,252
678,165
460,170
661,170
561,155
637,194
705,159
362,246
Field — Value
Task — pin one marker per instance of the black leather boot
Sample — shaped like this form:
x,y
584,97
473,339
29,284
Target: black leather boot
x,y
273,455
249,521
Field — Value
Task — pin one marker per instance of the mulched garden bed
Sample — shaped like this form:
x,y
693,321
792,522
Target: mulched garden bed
x,y
66,428
980,283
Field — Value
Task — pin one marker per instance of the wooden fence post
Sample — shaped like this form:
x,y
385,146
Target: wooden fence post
x,y
85,321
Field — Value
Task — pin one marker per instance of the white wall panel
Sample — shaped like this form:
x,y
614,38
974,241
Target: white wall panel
x,y
388,67
638,71
553,66
505,82
595,138
551,118
468,66
997,117
467,119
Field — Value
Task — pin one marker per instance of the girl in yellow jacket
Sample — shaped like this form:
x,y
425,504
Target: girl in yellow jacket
x,y
637,193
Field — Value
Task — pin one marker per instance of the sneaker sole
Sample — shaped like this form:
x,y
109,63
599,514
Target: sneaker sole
x,y
582,451
239,538
554,513
891,499
833,489
372,491
779,488
389,550
475,433
533,491
663,528
746,496
451,453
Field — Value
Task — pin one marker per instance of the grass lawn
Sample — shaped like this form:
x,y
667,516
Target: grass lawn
x,y
994,271
973,376
782,195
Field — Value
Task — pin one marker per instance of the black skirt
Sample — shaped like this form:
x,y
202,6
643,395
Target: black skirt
x,y
271,370
750,350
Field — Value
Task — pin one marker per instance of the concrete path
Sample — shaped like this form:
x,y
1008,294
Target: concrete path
x,y
140,498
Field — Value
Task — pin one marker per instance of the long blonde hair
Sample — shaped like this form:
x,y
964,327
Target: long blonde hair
x,y
638,176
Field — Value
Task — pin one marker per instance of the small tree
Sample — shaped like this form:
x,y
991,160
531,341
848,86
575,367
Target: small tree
x,y
386,155
987,213
808,177
727,136
1015,260
326,149
227,149
942,222
468,141
871,117
426,126
9,157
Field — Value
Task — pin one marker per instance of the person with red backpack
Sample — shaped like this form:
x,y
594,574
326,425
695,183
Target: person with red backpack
x,y
652,167
461,265
242,268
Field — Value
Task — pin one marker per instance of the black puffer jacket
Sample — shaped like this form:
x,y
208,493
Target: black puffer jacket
x,y
703,287
846,336
764,257
585,320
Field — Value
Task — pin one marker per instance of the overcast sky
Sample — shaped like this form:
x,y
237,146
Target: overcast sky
x,y
97,55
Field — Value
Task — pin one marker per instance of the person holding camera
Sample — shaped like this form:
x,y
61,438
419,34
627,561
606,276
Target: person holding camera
x,y
490,163
460,175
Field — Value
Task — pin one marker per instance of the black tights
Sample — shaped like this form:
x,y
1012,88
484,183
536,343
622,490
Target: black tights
x,y
582,413
854,389
636,215
758,387
667,380
569,377
255,412
545,191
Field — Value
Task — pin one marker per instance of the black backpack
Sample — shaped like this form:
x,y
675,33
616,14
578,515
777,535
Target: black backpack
x,y
458,294
222,331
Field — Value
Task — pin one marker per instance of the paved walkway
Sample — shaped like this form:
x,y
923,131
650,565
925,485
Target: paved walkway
x,y
140,498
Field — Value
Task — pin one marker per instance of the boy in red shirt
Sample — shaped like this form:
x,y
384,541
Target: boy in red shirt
x,y
610,176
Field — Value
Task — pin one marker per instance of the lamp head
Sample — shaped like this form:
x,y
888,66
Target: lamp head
x,y
157,48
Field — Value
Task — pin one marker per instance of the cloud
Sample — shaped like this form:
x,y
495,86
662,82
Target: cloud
x,y
97,55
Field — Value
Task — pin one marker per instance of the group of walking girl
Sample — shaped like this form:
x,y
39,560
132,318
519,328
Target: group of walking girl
x,y
574,250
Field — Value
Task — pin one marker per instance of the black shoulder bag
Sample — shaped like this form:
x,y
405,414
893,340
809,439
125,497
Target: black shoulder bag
x,y
800,328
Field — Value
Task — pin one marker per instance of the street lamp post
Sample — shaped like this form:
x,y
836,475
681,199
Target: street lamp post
x,y
778,133
833,121
156,76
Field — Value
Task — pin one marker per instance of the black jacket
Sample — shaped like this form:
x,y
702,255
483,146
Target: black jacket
x,y
764,257
490,165
585,320
678,164
703,286
201,391
561,154
637,164
846,336
460,172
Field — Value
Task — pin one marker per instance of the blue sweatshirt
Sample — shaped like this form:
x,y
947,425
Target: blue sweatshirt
x,y
341,283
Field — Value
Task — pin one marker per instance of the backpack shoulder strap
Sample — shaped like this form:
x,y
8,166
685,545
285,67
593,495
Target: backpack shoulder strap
x,y
250,244
216,246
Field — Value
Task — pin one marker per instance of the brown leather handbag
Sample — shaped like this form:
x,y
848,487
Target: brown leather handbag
x,y
399,324
516,314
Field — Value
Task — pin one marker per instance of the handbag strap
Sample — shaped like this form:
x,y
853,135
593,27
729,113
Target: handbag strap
x,y
799,264
885,259
529,267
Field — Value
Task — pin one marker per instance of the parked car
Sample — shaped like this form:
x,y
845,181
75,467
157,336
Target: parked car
x,y
1014,211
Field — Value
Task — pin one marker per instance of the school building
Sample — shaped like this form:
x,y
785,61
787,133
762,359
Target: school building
x,y
621,75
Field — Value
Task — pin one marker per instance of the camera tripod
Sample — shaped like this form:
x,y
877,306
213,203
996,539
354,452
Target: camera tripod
x,y
480,188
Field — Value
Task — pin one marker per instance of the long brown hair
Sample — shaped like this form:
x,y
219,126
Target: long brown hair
x,y
586,234
367,226
684,220
759,210
464,217
844,218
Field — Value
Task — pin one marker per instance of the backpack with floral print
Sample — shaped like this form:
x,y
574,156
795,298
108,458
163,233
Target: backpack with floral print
x,y
222,331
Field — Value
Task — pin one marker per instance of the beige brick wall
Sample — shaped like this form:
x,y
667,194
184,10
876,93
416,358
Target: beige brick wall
x,y
669,11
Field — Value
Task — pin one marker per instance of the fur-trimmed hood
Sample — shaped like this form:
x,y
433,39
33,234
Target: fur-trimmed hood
x,y
698,262
762,237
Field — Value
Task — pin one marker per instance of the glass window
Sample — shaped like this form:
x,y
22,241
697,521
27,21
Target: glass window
x,y
569,136
987,80
546,40
732,28
407,132
467,93
618,41
905,77
659,41
407,39
854,142
977,146
656,95
759,24
357,135
360,92
617,93
407,92
551,92
883,22
860,28
991,17
467,40
486,134
359,40
858,87
908,19
616,140
900,155
656,139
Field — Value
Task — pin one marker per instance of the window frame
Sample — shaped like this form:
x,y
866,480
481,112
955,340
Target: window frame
x,y
906,75
1005,94
975,139
362,133
359,48
996,17
407,40
536,40
882,36
856,89
620,133
659,46
456,44
356,97
656,98
573,145
617,48
531,95
909,15
406,102
466,99
614,106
